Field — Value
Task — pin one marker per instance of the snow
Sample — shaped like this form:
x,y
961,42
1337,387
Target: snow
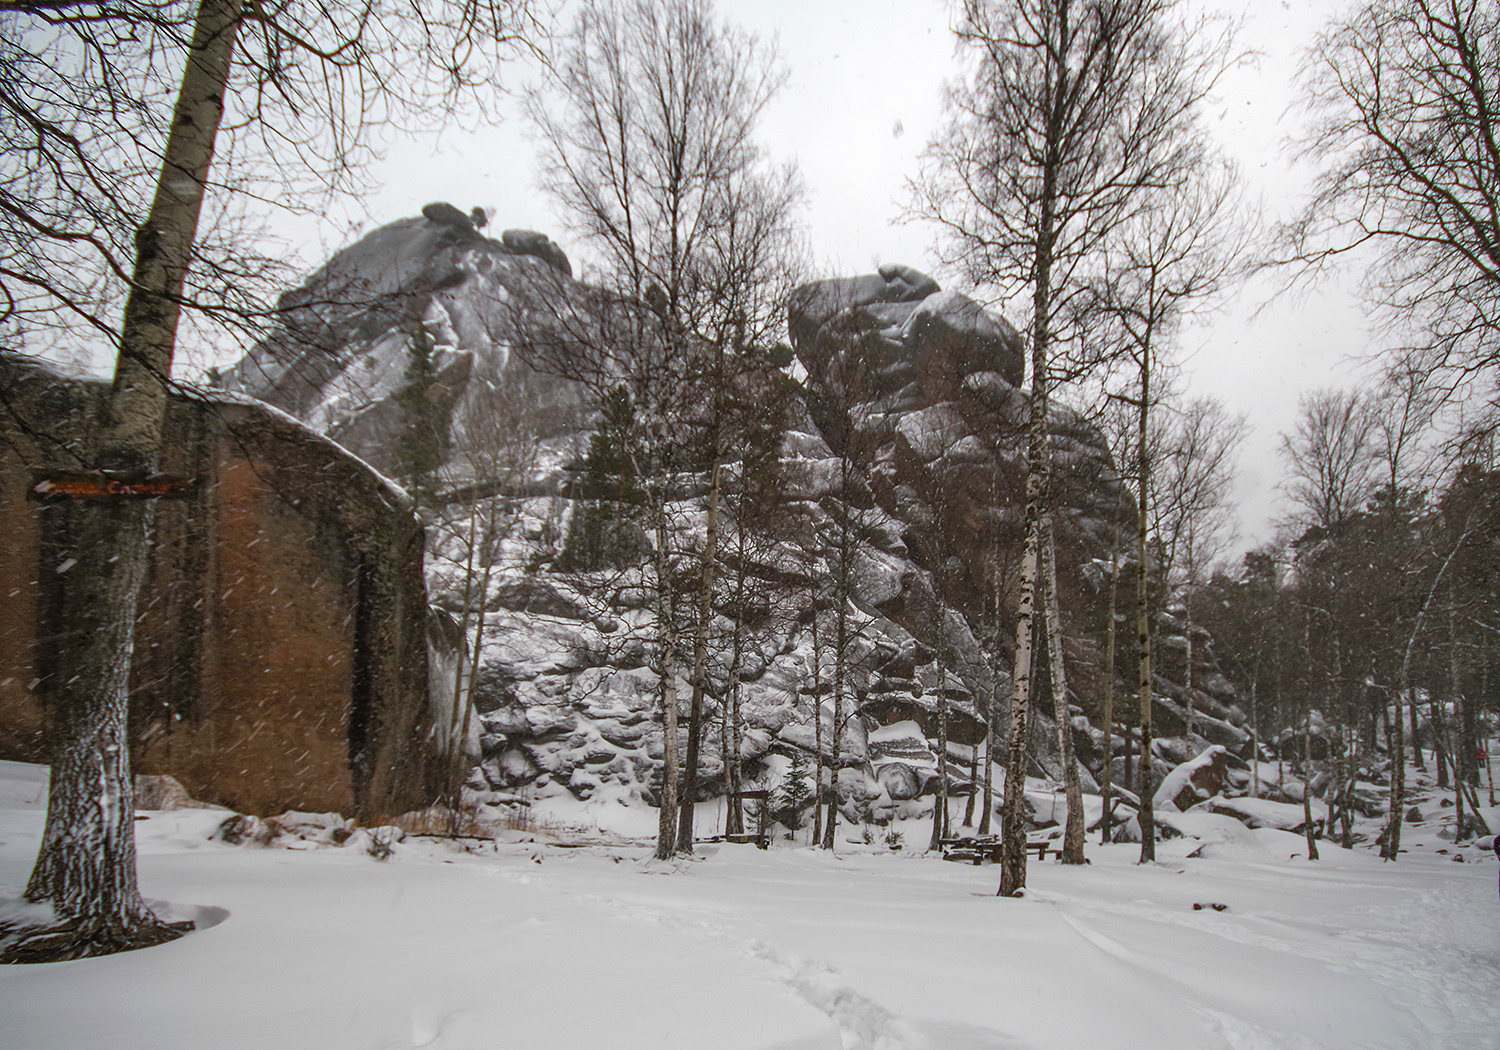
x,y
1264,813
523,943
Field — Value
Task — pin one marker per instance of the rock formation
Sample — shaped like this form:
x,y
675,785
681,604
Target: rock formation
x,y
920,383
281,657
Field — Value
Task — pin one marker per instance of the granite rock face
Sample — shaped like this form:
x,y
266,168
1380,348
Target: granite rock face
x,y
919,384
341,352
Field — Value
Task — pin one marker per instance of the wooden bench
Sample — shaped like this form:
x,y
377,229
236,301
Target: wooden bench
x,y
978,850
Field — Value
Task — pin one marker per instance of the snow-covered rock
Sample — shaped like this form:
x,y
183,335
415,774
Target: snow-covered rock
x,y
567,697
1193,781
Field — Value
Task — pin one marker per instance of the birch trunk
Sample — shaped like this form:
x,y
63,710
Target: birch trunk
x,y
940,798
1106,773
1012,832
707,564
1391,845
1187,692
987,816
666,832
86,865
464,712
817,717
1073,830
1307,821
1055,99
1143,684
461,665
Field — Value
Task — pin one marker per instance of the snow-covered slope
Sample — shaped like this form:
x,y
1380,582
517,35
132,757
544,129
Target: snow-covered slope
x,y
523,944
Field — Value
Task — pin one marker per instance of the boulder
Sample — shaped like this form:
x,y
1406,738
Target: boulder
x,y
902,781
163,791
539,245
445,214
1194,781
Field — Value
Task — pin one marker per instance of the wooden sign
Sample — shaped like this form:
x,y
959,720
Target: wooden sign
x,y
110,488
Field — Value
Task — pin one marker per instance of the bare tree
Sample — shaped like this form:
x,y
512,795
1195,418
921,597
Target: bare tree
x,y
1404,94
495,445
1071,112
1330,456
1179,251
648,141
331,74
1194,519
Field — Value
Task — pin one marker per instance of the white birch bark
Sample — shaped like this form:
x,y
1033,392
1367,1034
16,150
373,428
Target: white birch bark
x,y
86,866
1073,830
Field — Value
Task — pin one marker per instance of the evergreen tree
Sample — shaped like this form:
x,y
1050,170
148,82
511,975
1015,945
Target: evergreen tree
x,y
606,530
423,444
792,794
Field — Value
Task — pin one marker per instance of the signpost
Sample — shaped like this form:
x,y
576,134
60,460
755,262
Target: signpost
x,y
109,488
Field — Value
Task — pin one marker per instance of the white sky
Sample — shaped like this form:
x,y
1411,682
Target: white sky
x,y
863,99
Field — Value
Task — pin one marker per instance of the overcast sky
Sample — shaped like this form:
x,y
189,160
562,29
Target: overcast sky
x,y
864,96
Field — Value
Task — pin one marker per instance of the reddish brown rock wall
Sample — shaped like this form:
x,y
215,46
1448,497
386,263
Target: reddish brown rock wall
x,y
281,656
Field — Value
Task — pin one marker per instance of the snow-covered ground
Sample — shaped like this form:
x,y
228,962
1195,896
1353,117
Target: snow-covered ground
x,y
530,945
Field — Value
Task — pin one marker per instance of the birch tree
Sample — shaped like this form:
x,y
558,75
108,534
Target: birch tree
x,y
1193,517
313,79
648,141
1070,112
1181,248
1404,96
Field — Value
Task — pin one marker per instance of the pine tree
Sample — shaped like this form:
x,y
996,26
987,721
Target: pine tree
x,y
422,446
606,531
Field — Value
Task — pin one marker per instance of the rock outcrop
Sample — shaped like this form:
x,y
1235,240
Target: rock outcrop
x,y
281,656
920,385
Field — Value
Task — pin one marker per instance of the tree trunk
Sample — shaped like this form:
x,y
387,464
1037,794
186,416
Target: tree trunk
x,y
1440,749
666,832
733,769
707,564
1391,842
1073,831
86,865
464,712
1307,821
1254,740
817,717
1391,845
461,665
986,818
1187,674
734,819
841,643
973,798
1147,813
940,797
1106,772
1416,737
1013,833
